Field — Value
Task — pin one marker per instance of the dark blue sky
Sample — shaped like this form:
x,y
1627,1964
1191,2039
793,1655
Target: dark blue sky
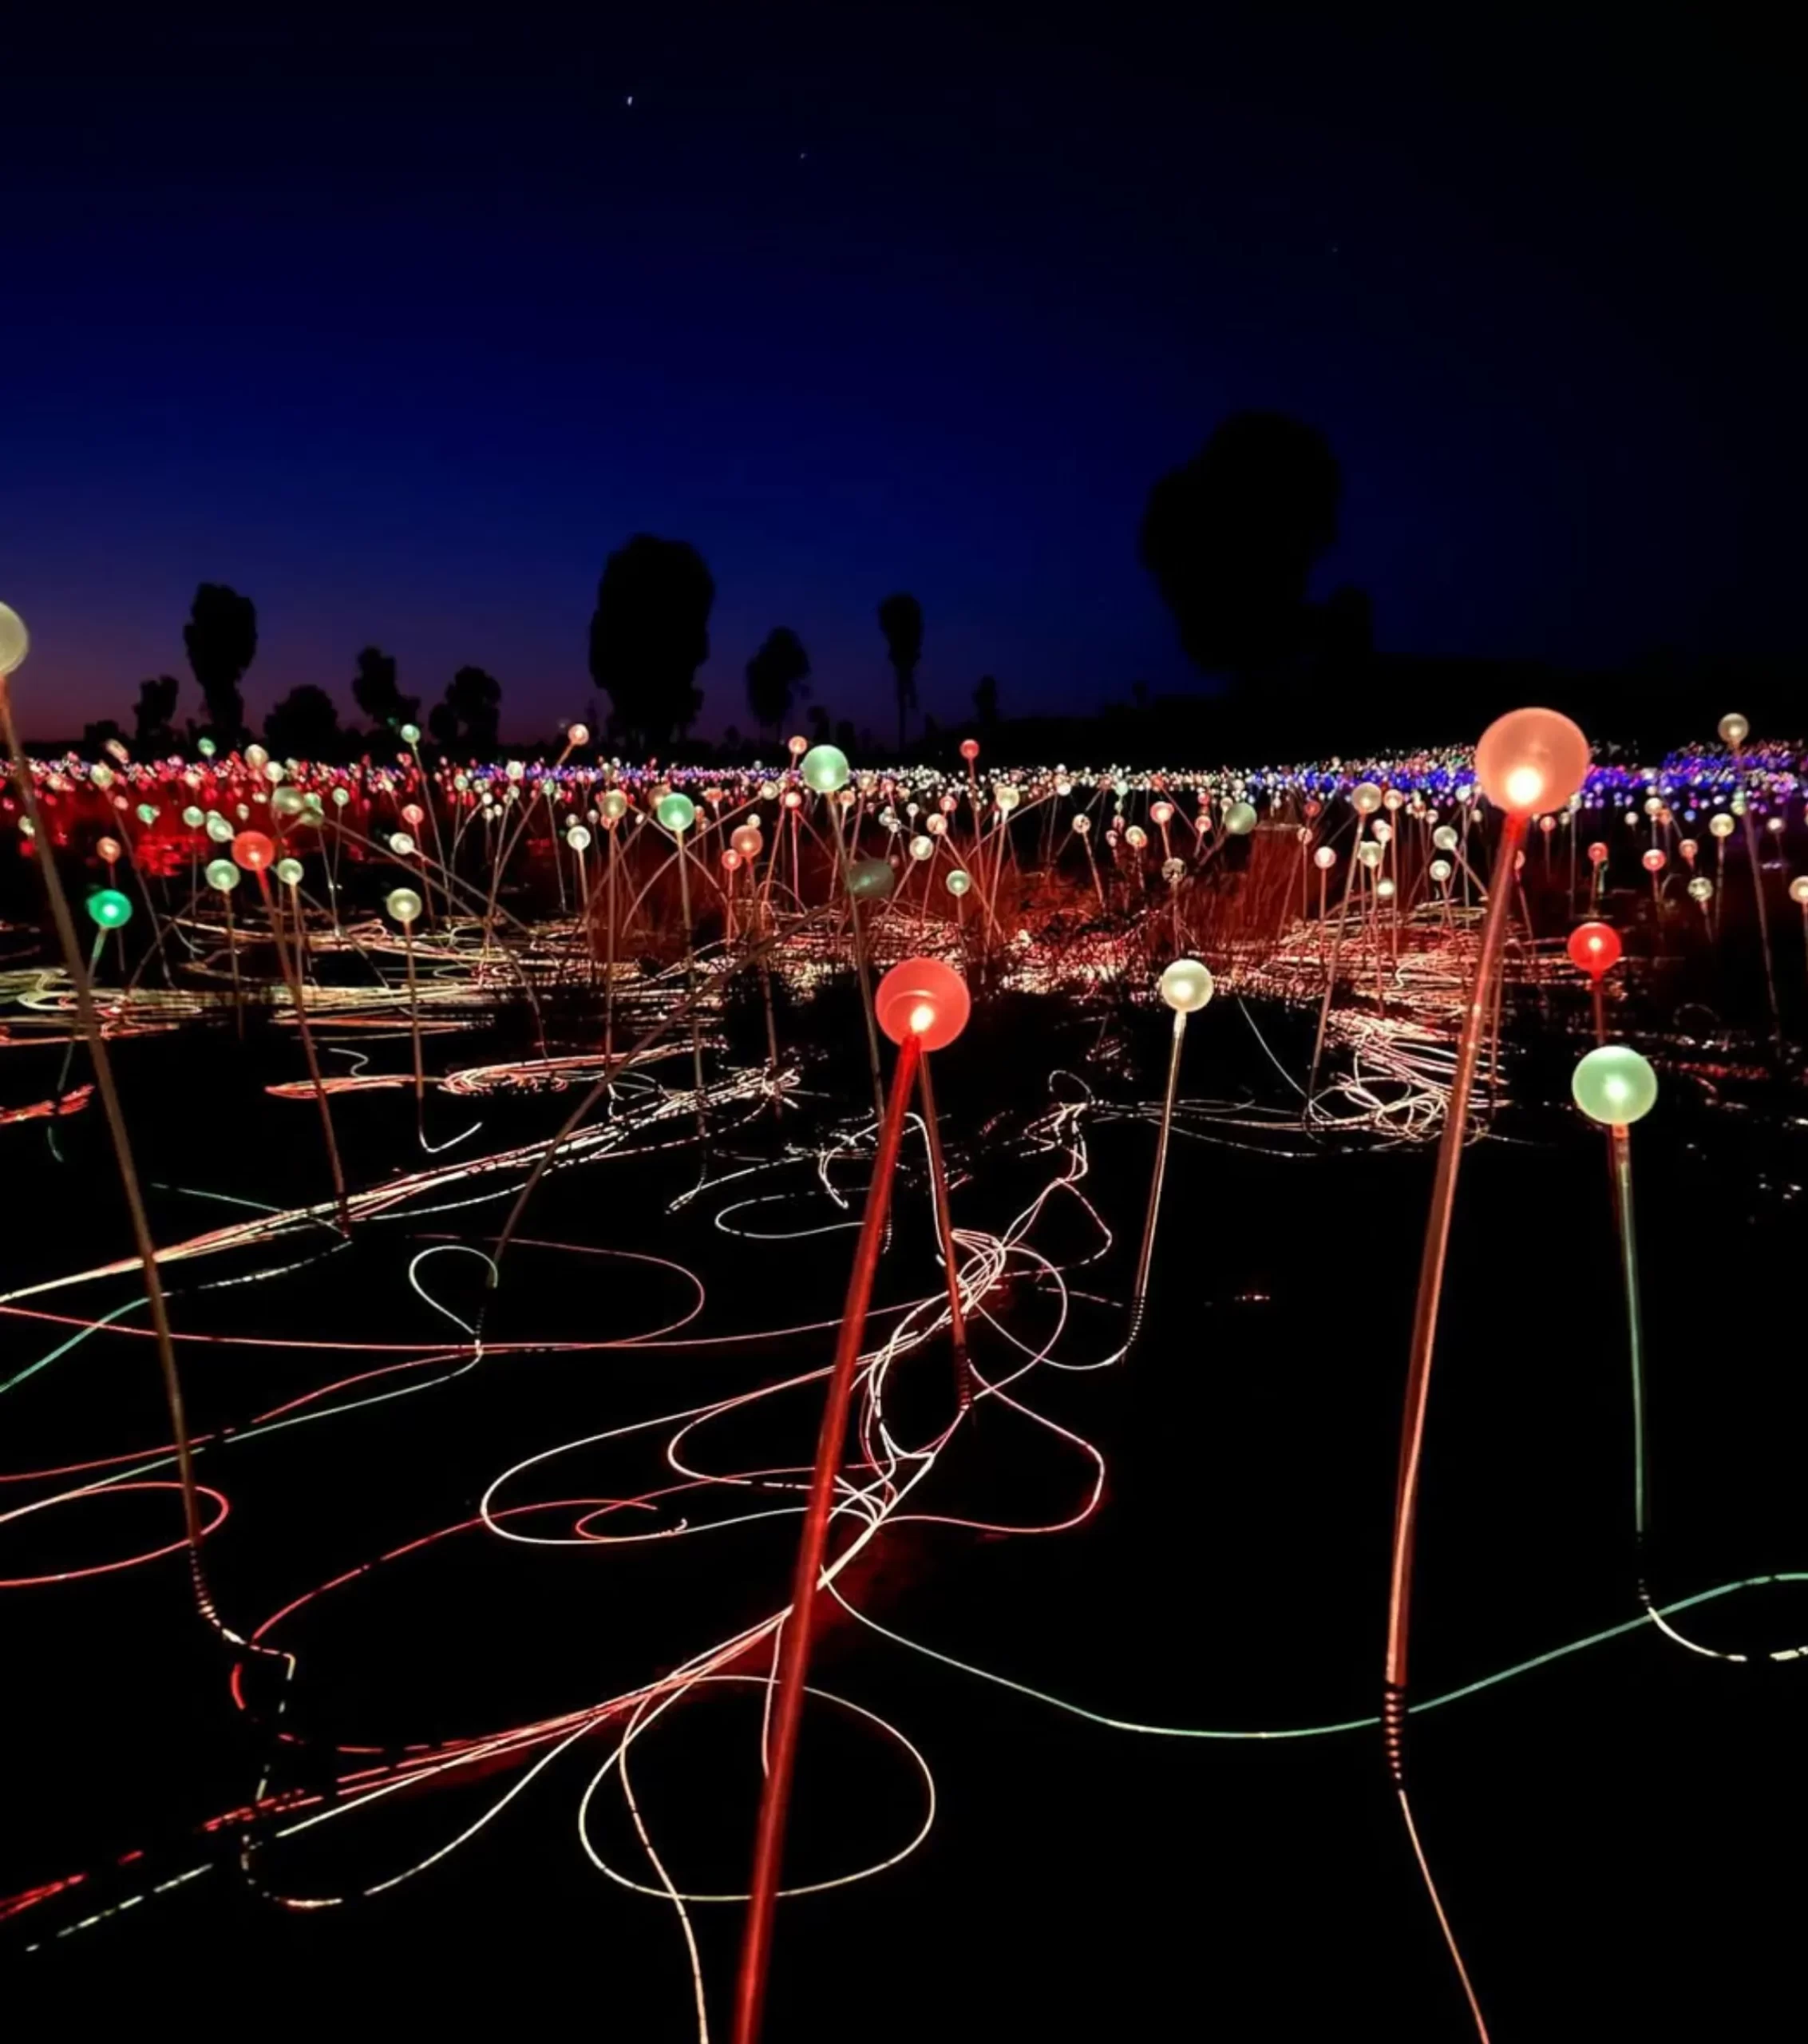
x,y
400,335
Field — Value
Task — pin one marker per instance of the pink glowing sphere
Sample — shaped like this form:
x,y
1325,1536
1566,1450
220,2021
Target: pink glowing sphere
x,y
254,851
1324,858
730,859
1594,948
969,748
924,999
1162,813
1531,760
747,841
1655,860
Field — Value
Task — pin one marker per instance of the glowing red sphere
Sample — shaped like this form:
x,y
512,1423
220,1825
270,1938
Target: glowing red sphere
x,y
1594,948
254,851
924,999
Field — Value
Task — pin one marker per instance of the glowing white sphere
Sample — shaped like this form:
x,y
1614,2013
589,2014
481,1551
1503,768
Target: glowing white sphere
x,y
1368,853
578,735
1186,986
15,641
1799,889
577,838
1384,890
1531,760
1444,838
1614,1086
403,904
922,848
1324,858
1365,798
1719,824
1701,889
1440,870
1733,729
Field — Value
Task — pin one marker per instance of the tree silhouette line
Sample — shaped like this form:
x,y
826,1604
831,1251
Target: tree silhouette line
x,y
1232,539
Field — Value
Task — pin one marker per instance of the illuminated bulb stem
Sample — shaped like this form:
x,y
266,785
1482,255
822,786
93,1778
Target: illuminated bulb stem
x,y
944,1229
291,975
690,985
609,964
1595,981
794,1642
1146,1255
232,954
432,808
1619,1159
1351,863
1418,1369
115,1113
1436,1243
414,1032
862,972
1763,921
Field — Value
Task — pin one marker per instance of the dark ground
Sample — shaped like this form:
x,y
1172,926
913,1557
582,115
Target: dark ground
x,y
1614,1835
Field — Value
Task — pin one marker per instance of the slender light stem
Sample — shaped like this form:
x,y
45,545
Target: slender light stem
x,y
690,981
793,1660
90,1025
1436,1243
944,1229
1146,1257
1619,1152
291,973
1424,1343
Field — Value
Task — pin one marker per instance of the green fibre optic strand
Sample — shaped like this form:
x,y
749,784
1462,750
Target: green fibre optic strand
x,y
74,1342
1316,1731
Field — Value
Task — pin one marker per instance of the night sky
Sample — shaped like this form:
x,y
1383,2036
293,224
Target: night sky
x,y
400,335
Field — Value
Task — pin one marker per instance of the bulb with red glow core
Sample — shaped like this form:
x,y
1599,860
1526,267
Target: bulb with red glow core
x,y
1594,948
254,851
922,998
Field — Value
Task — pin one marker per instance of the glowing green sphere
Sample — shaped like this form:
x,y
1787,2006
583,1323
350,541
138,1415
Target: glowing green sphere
x,y
403,904
1701,889
1186,986
223,874
870,880
411,734
147,813
109,908
825,769
958,882
288,802
577,838
193,817
614,806
677,812
205,747
289,872
1240,819
1615,1086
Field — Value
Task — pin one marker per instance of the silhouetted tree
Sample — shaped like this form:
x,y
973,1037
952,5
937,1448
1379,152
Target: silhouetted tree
x,y
776,675
304,725
154,733
901,619
819,723
1232,539
985,702
95,737
649,634
221,638
470,715
844,737
373,689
